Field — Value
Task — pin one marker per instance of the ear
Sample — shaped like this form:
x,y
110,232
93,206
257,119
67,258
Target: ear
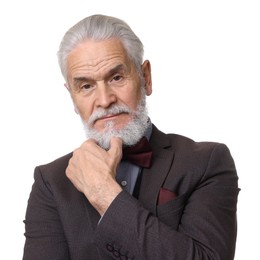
x,y
67,86
75,108
146,69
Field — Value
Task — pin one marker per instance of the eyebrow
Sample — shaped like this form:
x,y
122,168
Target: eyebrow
x,y
112,71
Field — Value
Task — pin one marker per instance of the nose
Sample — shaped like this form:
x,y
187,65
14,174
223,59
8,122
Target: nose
x,y
105,96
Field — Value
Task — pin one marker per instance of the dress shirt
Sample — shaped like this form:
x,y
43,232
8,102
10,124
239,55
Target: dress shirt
x,y
127,173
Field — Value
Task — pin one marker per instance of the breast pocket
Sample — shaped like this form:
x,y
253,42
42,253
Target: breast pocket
x,y
170,213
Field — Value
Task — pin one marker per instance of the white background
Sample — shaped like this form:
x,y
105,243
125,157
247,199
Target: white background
x,y
205,58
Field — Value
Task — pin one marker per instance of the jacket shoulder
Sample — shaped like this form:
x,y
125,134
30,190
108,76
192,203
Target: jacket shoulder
x,y
178,142
55,168
197,153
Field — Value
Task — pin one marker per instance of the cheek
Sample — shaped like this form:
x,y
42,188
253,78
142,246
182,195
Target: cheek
x,y
134,100
82,109
130,96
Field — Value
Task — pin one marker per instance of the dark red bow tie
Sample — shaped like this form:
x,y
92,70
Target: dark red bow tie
x,y
139,154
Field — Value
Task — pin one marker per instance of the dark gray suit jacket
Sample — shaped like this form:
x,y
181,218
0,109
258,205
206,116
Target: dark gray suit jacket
x,y
200,223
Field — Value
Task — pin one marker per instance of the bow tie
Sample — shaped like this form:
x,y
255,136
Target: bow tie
x,y
139,154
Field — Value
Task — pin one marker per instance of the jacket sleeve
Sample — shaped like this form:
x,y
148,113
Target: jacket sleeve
x,y
43,231
206,230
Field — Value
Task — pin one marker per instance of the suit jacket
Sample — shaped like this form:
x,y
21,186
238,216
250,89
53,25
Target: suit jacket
x,y
199,223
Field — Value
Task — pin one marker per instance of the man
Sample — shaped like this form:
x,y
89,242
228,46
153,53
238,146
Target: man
x,y
171,199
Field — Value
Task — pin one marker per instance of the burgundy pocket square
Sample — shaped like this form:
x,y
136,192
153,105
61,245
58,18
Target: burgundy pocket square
x,y
166,196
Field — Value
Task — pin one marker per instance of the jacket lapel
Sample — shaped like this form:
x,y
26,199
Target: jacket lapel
x,y
153,178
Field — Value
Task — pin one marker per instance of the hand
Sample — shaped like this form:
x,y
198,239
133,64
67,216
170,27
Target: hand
x,y
92,170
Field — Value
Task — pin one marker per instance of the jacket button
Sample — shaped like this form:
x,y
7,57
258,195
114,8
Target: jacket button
x,y
110,248
116,254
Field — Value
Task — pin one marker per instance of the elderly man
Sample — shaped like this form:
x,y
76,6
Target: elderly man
x,y
129,191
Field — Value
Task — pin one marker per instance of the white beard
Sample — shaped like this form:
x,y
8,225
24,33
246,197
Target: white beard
x,y
130,134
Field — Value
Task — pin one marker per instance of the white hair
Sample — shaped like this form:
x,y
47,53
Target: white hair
x,y
100,27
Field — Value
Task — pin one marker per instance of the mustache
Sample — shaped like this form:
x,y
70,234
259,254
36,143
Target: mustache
x,y
113,110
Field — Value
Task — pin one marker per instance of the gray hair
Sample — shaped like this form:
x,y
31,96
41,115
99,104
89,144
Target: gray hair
x,y
100,27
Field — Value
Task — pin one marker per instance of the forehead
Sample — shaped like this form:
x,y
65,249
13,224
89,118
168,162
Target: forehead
x,y
94,57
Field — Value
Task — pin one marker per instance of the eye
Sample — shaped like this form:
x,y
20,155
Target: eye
x,y
86,86
117,78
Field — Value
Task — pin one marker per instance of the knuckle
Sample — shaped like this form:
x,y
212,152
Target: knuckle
x,y
67,172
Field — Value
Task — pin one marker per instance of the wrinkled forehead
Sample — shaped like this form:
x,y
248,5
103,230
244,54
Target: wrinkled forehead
x,y
97,57
94,51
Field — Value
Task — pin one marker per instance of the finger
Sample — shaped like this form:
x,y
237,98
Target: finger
x,y
92,147
116,147
89,142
